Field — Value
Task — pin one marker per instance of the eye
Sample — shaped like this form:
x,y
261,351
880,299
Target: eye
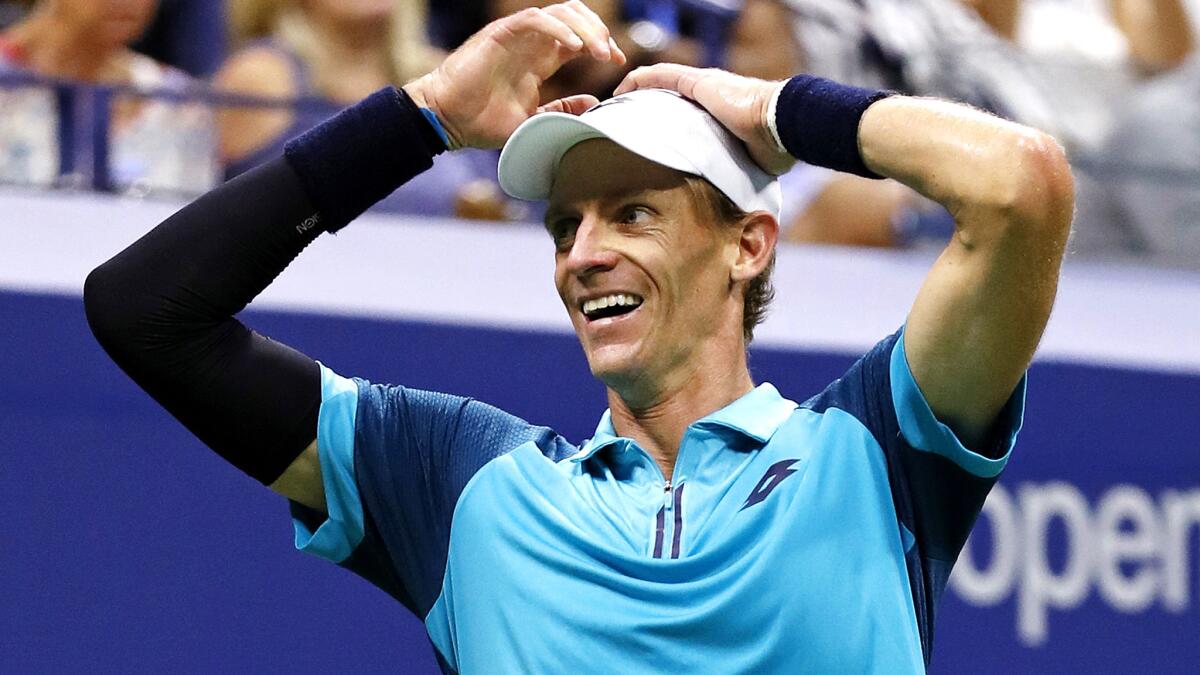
x,y
635,214
562,231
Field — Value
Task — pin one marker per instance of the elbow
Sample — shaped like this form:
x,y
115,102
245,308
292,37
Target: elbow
x,y
98,293
106,306
1049,197
1038,197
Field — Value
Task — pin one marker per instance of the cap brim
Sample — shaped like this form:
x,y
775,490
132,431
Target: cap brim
x,y
532,154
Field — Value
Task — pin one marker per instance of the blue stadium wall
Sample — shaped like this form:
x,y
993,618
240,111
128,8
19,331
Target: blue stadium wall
x,y
128,546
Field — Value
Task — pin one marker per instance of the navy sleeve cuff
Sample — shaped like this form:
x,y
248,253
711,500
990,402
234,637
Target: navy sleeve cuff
x,y
362,154
817,120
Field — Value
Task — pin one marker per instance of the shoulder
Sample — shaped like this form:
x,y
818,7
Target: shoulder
x,y
869,375
445,427
262,70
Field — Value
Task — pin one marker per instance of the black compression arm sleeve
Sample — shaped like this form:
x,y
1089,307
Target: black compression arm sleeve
x,y
163,308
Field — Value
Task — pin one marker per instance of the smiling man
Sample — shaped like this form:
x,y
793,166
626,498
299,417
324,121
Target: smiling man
x,y
664,232
709,525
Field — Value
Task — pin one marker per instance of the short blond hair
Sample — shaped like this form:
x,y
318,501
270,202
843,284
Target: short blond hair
x,y
719,210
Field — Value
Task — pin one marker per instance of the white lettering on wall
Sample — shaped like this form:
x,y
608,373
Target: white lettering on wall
x,y
1139,545
1182,515
1132,549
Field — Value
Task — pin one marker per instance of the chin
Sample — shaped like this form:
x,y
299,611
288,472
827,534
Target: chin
x,y
615,364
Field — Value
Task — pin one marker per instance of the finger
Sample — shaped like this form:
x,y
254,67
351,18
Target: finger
x,y
586,25
572,105
548,25
671,76
593,32
618,55
592,18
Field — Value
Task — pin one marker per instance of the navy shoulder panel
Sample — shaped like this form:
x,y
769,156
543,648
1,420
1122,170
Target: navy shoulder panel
x,y
415,451
864,391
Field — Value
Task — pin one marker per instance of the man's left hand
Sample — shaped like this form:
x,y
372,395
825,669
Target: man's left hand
x,y
739,103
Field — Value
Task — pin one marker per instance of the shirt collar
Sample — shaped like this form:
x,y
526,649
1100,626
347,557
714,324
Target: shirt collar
x,y
757,414
605,436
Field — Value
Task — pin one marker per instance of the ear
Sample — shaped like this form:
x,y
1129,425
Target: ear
x,y
755,244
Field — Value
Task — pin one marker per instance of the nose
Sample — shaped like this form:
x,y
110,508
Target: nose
x,y
591,250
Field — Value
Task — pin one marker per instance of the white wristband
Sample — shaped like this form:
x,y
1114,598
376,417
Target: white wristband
x,y
771,126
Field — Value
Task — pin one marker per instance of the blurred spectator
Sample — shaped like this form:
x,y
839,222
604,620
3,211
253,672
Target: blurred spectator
x,y
1138,172
762,43
12,11
187,34
1152,36
451,22
1142,191
819,205
314,57
53,133
922,47
1088,56
945,48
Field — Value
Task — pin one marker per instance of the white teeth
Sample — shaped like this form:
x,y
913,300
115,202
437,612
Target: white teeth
x,y
614,300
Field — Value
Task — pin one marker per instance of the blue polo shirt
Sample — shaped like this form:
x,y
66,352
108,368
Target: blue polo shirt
x,y
812,537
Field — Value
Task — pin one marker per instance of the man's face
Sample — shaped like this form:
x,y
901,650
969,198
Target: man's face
x,y
629,235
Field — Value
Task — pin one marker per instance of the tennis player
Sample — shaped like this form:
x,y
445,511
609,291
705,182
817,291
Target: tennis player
x,y
709,525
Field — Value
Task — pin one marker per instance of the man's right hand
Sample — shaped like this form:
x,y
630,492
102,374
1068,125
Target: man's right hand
x,y
492,83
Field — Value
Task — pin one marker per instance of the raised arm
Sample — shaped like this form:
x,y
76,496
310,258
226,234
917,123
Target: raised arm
x,y
977,320
981,311
164,307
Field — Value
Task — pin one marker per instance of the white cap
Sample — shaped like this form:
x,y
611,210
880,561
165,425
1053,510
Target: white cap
x,y
657,124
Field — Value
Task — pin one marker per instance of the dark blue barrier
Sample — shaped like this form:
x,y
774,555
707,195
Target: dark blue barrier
x,y
127,546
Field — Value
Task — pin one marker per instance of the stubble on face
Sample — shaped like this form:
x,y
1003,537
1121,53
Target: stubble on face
x,y
637,229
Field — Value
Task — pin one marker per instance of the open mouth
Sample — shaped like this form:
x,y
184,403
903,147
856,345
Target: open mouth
x,y
610,306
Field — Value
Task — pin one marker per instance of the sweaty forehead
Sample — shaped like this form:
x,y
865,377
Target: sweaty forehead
x,y
598,169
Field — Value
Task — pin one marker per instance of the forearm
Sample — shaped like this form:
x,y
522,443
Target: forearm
x,y
984,169
163,308
971,162
980,313
977,319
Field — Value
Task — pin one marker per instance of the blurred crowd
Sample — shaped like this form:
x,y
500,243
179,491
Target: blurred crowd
x,y
172,96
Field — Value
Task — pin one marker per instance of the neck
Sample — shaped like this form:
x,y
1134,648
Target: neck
x,y
58,48
658,422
